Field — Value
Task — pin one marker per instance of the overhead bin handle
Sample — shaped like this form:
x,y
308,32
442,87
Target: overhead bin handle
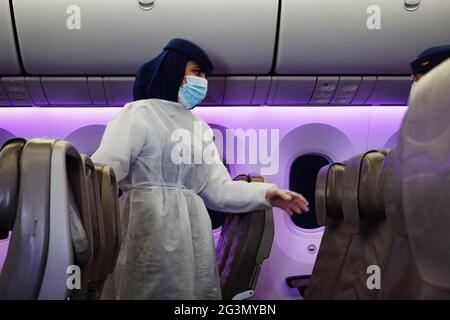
x,y
146,4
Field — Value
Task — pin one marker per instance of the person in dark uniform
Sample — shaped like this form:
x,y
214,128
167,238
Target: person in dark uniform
x,y
428,59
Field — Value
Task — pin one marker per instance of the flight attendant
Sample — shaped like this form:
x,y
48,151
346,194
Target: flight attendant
x,y
168,249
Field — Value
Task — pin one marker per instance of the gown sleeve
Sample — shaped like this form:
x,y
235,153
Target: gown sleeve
x,y
124,137
222,193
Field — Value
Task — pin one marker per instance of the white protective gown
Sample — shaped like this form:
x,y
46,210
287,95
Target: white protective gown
x,y
167,244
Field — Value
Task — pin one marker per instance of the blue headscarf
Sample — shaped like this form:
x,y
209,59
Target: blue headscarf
x,y
430,58
161,77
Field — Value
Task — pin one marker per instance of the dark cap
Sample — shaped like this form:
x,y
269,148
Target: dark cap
x,y
430,58
191,51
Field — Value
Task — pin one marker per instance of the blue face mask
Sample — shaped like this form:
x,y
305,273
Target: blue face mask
x,y
193,91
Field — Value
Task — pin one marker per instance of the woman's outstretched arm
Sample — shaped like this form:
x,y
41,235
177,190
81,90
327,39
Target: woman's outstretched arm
x,y
221,193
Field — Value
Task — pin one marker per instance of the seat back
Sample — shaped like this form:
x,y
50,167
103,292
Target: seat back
x,y
370,232
335,240
70,237
9,184
76,171
245,242
24,266
107,185
424,155
399,276
49,238
97,275
9,191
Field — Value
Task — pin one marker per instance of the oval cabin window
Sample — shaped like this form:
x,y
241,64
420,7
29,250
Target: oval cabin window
x,y
302,179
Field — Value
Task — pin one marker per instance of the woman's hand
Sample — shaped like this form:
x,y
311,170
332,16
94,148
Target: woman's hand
x,y
290,201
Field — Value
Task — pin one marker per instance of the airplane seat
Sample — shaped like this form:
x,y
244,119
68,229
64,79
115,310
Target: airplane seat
x,y
48,235
98,232
226,236
70,251
365,217
108,187
82,246
370,200
25,262
9,191
399,276
424,154
328,197
9,184
80,213
245,242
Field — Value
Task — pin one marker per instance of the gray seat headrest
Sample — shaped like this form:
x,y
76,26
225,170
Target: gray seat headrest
x,y
371,204
328,194
350,202
334,191
361,193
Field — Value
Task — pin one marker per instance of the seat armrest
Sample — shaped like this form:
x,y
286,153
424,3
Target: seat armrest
x,y
244,295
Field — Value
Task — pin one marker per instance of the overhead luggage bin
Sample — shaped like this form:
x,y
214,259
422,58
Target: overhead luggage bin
x,y
115,37
9,62
376,37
